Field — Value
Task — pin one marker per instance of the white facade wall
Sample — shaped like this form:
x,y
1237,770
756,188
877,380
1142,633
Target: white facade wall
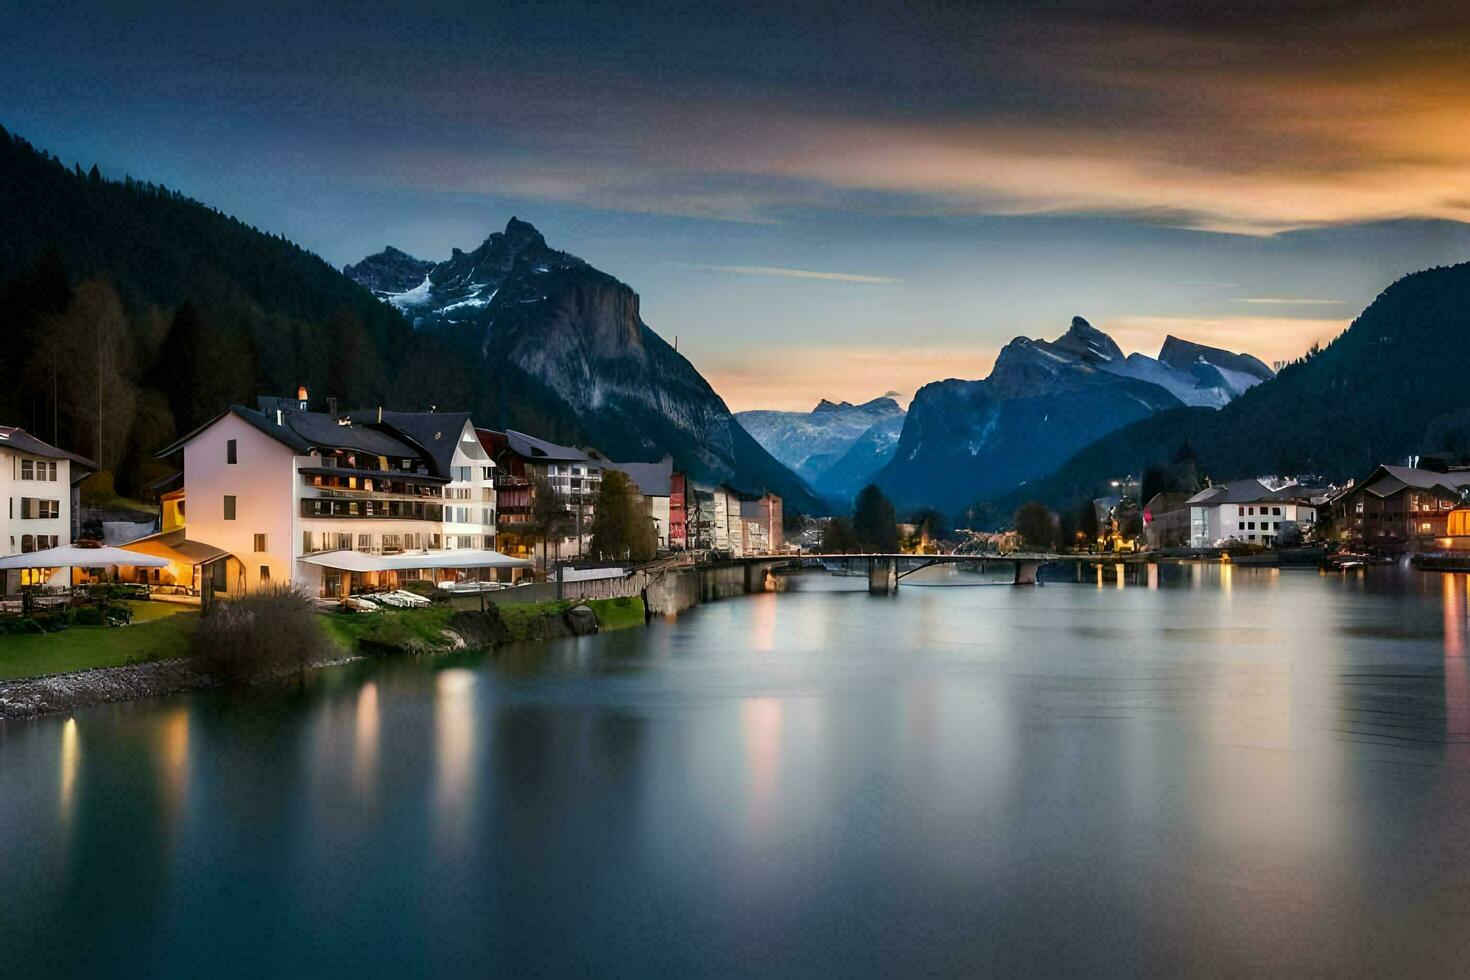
x,y
658,508
469,499
1249,523
37,478
265,486
722,520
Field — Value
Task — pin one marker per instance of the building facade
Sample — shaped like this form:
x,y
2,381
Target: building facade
x,y
1399,508
574,474
762,517
38,484
1246,512
281,495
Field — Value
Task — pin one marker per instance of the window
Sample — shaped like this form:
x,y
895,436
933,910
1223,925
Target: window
x,y
487,472
229,507
1252,526
27,543
308,544
265,574
27,469
364,542
230,455
37,509
260,543
1275,511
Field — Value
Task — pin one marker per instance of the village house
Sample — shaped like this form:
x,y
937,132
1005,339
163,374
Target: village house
x,y
575,475
39,485
1400,508
1247,512
324,501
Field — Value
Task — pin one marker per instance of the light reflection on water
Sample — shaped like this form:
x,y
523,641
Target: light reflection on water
x,y
1138,767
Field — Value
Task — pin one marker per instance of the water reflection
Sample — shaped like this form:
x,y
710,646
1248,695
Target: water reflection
x,y
454,728
365,732
173,761
1162,768
760,724
69,754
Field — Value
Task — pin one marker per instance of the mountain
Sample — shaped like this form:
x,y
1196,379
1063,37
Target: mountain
x,y
1391,385
567,355
855,469
175,310
1044,401
389,272
813,443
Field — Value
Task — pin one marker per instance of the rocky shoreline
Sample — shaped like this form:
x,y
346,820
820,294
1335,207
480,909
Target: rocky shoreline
x,y
32,697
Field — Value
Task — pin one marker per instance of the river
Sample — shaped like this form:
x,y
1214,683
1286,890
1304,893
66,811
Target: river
x,y
1195,769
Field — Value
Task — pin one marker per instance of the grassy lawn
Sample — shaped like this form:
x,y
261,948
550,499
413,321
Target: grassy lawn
x,y
409,627
421,628
612,614
160,630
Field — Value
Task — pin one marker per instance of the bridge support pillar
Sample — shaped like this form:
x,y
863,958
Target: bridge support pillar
x,y
882,576
755,577
1026,572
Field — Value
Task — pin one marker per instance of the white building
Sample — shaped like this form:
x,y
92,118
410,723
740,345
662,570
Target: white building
x,y
1246,512
37,482
284,495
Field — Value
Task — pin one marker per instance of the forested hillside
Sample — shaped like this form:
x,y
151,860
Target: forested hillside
x,y
132,313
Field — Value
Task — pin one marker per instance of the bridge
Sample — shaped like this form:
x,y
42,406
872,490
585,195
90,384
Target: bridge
x,y
885,571
678,582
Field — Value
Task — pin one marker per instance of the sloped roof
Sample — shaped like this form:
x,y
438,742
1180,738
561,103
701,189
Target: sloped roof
x,y
1245,492
532,448
22,441
1387,480
176,546
304,431
436,433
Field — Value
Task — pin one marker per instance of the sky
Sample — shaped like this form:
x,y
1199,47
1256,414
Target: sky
x,y
818,200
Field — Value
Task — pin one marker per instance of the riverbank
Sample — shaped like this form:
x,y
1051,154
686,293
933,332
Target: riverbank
x,y
150,659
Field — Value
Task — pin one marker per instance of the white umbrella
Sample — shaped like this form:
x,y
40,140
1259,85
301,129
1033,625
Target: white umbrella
x,y
70,556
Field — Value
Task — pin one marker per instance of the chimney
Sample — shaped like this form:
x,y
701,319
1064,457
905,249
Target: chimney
x,y
332,407
301,397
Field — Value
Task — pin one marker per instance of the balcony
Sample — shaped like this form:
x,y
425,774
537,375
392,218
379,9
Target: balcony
x,y
376,509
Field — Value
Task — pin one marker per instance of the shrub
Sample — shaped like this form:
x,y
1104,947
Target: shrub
x,y
90,616
262,636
